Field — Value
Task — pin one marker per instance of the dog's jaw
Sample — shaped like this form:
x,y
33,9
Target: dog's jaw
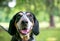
x,y
25,37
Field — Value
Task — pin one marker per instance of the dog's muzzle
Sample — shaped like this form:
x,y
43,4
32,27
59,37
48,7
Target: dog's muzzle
x,y
24,29
24,24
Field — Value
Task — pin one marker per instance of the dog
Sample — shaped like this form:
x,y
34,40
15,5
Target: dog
x,y
23,26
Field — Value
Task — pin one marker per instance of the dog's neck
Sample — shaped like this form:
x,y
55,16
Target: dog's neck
x,y
25,38
19,38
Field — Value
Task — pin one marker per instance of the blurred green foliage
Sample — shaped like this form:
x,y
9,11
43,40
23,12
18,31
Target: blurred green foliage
x,y
38,7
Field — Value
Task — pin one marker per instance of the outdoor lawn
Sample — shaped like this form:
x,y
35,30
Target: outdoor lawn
x,y
47,34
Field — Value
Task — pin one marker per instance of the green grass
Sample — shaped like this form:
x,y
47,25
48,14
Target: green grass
x,y
49,34
4,36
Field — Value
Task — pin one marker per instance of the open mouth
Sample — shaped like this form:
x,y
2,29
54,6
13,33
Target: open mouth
x,y
24,31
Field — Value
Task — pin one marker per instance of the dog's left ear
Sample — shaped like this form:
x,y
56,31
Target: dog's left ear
x,y
12,28
36,26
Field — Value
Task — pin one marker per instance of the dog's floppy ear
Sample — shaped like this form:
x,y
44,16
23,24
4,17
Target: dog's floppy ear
x,y
36,26
12,28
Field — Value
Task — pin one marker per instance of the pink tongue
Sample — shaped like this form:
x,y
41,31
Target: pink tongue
x,y
24,31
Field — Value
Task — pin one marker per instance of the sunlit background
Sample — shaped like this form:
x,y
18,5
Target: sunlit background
x,y
47,13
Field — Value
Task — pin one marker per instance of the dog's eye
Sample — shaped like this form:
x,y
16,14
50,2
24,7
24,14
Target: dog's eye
x,y
30,15
18,18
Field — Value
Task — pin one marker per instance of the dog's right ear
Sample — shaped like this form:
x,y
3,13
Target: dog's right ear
x,y
12,28
36,26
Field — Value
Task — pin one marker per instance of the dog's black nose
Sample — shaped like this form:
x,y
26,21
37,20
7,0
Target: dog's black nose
x,y
24,22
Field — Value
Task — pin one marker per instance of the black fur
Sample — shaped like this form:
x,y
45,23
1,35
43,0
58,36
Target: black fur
x,y
36,26
12,29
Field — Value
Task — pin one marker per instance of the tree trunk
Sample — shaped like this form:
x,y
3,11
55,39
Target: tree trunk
x,y
51,20
50,6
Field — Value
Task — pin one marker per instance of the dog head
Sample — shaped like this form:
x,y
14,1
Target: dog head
x,y
24,23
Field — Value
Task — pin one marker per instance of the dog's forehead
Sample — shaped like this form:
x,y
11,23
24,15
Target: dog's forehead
x,y
24,13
